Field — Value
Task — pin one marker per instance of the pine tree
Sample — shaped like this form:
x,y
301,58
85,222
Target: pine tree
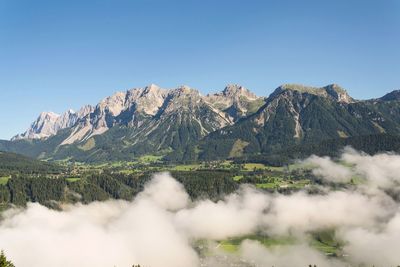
x,y
4,262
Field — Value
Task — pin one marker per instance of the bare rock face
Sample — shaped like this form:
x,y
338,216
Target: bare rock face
x,y
44,126
148,107
147,100
236,101
338,93
49,123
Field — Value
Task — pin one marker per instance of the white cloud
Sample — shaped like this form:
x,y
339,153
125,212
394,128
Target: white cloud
x,y
158,227
331,171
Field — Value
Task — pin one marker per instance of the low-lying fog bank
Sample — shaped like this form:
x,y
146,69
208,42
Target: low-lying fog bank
x,y
161,227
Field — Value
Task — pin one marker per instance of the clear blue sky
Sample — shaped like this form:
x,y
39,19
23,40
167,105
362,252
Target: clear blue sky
x,y
56,55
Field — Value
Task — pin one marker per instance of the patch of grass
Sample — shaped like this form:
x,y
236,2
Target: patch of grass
x,y
342,134
90,144
282,183
238,148
226,164
237,177
267,185
299,184
188,167
232,245
127,171
99,166
227,246
150,158
254,166
4,180
120,164
357,180
323,241
325,248
326,242
73,179
255,105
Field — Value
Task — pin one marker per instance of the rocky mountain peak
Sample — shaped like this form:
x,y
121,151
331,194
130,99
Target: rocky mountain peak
x,y
335,87
84,111
181,98
48,115
235,100
147,100
67,119
338,93
232,89
43,127
235,90
49,123
151,88
184,89
113,104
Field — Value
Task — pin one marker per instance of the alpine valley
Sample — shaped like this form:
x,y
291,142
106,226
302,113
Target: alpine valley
x,y
181,125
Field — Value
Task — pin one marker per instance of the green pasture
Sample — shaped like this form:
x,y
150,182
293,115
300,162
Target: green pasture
x,y
4,180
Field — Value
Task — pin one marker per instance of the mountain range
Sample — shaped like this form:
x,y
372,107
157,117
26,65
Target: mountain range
x,y
183,125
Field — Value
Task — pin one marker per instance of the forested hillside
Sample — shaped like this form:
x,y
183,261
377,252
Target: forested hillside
x,y
98,187
370,144
11,163
295,116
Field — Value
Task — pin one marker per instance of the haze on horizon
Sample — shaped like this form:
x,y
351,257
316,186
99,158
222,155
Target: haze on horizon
x,y
61,55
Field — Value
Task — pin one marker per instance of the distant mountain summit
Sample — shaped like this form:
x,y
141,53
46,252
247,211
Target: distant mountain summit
x,y
44,126
236,101
49,123
146,109
182,124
